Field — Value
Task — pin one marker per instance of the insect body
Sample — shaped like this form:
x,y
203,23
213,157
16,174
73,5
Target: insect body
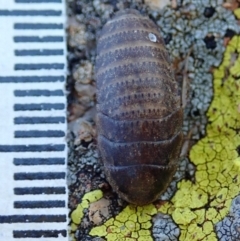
x,y
139,114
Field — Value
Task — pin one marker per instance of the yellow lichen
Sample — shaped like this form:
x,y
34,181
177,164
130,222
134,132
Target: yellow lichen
x,y
93,196
77,214
132,223
100,231
197,207
237,12
88,198
183,216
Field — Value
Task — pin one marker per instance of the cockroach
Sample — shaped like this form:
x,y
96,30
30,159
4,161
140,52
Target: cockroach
x,y
139,112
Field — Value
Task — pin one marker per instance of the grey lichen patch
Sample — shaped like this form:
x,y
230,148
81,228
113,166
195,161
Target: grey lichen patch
x,y
229,228
194,34
164,229
84,170
196,28
84,159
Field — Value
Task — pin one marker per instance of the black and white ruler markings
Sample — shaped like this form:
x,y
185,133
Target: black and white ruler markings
x,y
33,201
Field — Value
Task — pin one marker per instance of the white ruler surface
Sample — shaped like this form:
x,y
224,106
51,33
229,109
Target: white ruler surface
x,y
33,199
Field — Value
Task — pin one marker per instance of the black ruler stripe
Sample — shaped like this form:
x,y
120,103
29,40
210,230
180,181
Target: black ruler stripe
x,y
32,148
20,176
45,13
39,204
38,66
38,1
38,161
39,190
38,92
33,218
37,39
38,134
22,51
39,233
40,106
31,79
38,26
38,52
39,120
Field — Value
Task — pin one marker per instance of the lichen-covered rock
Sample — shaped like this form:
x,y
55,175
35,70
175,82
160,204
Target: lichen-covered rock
x,y
196,44
228,229
197,207
164,229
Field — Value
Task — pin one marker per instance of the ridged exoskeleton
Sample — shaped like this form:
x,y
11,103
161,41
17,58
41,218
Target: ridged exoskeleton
x,y
139,113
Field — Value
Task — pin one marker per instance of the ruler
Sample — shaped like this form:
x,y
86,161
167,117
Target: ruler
x,y
33,201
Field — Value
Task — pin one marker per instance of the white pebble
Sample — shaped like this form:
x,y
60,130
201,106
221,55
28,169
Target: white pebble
x,y
152,37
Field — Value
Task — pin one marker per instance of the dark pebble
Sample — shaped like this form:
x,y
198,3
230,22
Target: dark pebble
x,y
229,33
210,42
209,11
168,38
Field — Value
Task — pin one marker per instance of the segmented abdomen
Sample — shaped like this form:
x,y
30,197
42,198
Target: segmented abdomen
x,y
139,115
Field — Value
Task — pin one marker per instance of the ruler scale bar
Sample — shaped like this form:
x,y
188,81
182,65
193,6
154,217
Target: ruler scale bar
x,y
32,218
39,233
39,190
41,106
38,1
46,13
30,79
31,148
39,176
33,125
37,39
39,120
39,204
37,26
38,66
38,52
38,161
36,133
38,92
